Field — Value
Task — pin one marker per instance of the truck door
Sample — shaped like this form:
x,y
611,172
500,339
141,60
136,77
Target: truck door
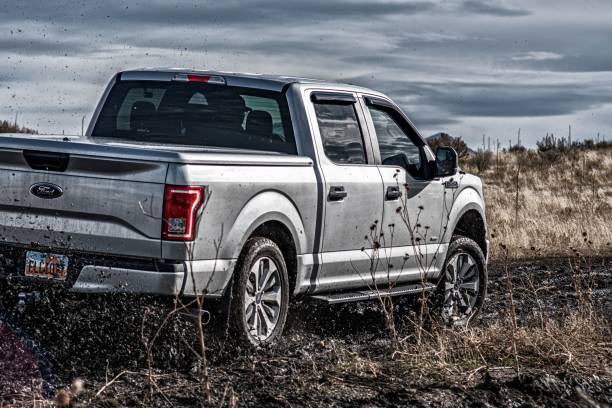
x,y
352,188
415,209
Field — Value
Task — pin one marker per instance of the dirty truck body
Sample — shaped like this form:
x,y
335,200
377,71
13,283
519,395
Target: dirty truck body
x,y
180,170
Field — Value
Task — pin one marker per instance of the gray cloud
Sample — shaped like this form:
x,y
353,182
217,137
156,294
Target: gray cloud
x,y
219,12
491,8
448,63
508,100
573,63
37,46
494,99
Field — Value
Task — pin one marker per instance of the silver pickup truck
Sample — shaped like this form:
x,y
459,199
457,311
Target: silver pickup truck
x,y
257,189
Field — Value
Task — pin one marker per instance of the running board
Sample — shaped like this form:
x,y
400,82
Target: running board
x,y
356,296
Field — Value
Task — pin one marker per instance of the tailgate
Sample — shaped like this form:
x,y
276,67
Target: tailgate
x,y
58,198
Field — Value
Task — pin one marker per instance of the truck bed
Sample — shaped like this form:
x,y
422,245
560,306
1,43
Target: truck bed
x,y
112,192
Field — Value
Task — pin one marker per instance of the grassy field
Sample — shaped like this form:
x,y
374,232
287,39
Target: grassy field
x,y
549,205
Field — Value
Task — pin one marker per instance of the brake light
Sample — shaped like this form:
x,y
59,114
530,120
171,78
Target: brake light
x,y
181,205
206,79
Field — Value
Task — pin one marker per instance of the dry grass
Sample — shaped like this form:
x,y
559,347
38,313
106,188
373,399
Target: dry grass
x,y
536,207
575,343
531,332
540,207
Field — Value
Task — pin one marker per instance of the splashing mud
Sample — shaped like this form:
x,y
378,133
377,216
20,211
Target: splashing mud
x,y
337,356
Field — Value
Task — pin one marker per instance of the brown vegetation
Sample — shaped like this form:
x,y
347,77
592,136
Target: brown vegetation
x,y
543,203
444,139
7,127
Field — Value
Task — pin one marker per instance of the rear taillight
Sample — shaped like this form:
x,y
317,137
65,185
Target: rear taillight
x,y
181,205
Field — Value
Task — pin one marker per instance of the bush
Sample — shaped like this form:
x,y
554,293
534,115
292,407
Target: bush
x,y
447,140
517,149
482,160
551,147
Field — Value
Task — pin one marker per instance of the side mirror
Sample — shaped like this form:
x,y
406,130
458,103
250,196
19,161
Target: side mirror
x,y
447,161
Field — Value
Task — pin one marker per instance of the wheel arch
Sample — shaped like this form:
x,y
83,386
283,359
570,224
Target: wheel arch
x,y
468,219
272,215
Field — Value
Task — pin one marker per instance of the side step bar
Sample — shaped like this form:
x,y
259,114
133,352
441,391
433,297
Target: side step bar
x,y
344,297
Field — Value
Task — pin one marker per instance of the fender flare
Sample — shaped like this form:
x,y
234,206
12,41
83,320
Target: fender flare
x,y
264,207
467,200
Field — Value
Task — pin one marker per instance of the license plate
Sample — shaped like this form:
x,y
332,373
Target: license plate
x,y
45,265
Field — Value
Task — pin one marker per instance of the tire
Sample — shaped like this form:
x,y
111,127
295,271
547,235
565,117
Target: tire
x,y
460,296
258,305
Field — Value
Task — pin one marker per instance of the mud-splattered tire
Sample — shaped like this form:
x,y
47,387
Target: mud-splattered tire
x,y
463,284
260,294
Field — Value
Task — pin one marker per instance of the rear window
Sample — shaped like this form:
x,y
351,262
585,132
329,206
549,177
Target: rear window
x,y
197,114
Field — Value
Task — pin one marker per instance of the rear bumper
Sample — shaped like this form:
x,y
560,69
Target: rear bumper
x,y
210,277
97,273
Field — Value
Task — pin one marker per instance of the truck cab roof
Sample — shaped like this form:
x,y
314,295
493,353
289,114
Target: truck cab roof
x,y
248,80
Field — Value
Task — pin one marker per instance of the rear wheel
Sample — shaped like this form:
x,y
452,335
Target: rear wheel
x,y
260,300
463,286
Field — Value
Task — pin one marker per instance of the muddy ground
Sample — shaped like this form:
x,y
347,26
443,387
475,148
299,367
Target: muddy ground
x,y
330,355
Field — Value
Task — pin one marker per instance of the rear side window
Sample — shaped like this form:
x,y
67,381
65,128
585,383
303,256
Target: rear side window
x,y
197,114
340,132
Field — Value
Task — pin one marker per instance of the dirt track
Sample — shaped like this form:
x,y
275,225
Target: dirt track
x,y
332,356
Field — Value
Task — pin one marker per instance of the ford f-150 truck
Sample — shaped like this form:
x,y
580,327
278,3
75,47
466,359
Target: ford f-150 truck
x,y
258,189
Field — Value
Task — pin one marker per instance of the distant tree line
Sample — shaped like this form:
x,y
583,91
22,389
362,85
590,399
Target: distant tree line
x,y
549,149
562,145
546,144
7,127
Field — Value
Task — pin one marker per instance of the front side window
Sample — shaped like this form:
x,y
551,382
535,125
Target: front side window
x,y
197,114
340,132
396,147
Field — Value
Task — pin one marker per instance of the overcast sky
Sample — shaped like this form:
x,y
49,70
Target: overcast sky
x,y
467,67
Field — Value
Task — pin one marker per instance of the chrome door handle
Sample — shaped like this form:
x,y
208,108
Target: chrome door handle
x,y
337,193
393,193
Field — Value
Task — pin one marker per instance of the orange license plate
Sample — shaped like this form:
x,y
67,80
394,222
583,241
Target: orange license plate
x,y
45,265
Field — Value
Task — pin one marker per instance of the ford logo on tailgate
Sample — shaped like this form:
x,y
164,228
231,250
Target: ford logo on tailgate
x,y
46,190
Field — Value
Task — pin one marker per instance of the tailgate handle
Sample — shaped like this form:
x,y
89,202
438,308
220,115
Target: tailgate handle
x,y
51,161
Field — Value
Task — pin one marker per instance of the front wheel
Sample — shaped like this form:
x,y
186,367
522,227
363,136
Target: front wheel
x,y
463,285
260,299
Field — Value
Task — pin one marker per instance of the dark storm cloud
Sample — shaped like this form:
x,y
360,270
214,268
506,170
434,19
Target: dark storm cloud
x,y
36,46
194,13
264,46
429,121
491,8
137,24
446,62
597,62
514,100
492,99
277,11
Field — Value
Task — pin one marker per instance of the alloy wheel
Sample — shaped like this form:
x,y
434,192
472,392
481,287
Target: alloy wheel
x,y
461,289
263,297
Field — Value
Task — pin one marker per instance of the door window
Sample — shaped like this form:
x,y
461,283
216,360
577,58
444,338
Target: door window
x,y
340,132
395,145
